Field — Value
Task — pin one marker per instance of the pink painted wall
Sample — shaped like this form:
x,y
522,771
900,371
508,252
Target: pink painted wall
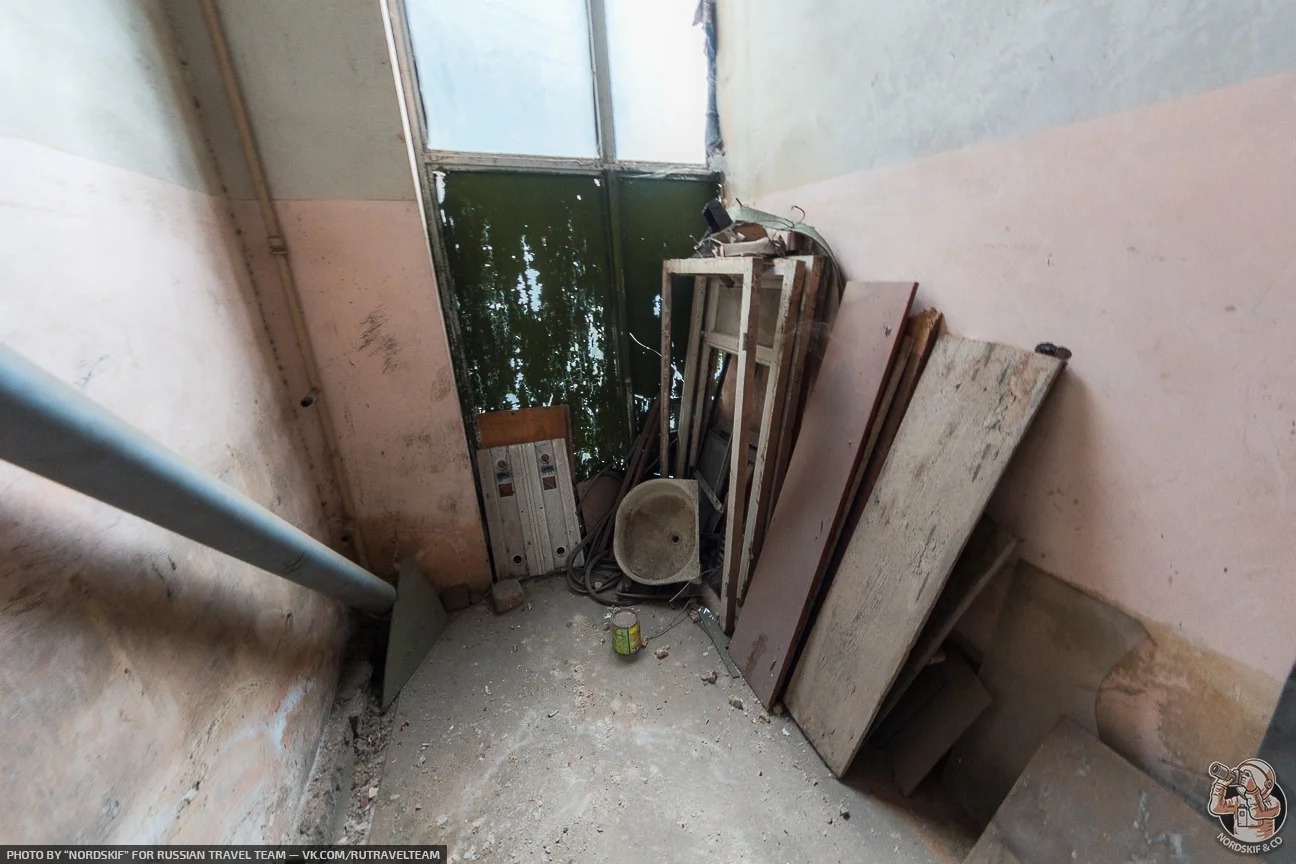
x,y
139,666
1157,245
318,80
370,300
153,690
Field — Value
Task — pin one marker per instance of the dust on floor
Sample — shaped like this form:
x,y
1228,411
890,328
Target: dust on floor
x,y
523,737
338,804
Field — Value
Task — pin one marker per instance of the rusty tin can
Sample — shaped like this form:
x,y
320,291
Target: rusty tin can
x,y
625,632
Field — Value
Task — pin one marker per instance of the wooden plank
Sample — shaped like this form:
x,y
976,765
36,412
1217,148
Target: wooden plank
x,y
987,552
919,744
920,336
523,426
664,398
790,570
969,413
793,281
744,414
804,335
530,502
920,693
736,267
560,502
503,524
923,329
692,376
830,296
725,320
1078,801
898,368
728,344
858,493
703,407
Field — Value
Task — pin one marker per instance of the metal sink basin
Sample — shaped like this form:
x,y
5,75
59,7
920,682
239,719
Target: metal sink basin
x,y
656,539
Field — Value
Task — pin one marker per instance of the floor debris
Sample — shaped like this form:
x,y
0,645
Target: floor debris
x,y
507,595
567,772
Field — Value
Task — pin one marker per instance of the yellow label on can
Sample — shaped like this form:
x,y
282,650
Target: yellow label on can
x,y
625,640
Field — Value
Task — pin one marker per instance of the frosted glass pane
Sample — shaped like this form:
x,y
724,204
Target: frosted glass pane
x,y
505,76
659,85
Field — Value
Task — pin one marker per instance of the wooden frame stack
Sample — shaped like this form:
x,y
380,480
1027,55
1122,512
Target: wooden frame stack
x,y
754,310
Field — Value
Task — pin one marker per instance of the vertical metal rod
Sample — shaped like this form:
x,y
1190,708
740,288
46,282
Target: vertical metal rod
x,y
279,252
605,129
52,429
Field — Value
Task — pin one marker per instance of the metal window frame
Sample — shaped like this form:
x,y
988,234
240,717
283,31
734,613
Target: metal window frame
x,y
610,170
604,125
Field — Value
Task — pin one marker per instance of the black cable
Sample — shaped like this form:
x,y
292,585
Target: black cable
x,y
598,576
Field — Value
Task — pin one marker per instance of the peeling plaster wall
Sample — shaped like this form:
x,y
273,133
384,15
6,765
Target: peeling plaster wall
x,y
1126,210
151,690
326,110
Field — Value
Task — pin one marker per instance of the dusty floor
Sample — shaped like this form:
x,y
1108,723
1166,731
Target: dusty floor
x,y
523,737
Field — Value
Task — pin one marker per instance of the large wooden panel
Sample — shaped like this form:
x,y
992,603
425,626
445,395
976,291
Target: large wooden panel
x,y
1078,802
797,546
986,553
923,328
968,414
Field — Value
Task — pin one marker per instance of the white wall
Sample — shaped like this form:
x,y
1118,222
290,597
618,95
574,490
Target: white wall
x,y
809,91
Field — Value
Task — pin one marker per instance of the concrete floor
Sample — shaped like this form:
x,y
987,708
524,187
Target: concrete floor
x,y
523,737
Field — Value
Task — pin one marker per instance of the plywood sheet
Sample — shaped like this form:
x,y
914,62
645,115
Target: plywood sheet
x,y
523,426
798,543
968,414
988,551
923,328
1079,802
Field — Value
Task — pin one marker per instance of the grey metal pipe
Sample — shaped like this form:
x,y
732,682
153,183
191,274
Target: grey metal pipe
x,y
54,430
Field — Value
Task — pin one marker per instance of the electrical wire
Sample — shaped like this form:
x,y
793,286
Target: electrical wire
x,y
598,576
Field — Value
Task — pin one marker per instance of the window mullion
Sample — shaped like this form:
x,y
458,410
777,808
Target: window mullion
x,y
604,125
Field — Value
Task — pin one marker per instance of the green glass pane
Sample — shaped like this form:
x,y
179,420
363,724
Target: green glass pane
x,y
528,258
659,219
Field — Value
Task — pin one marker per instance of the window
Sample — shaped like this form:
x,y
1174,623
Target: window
x,y
523,78
563,151
505,76
658,71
